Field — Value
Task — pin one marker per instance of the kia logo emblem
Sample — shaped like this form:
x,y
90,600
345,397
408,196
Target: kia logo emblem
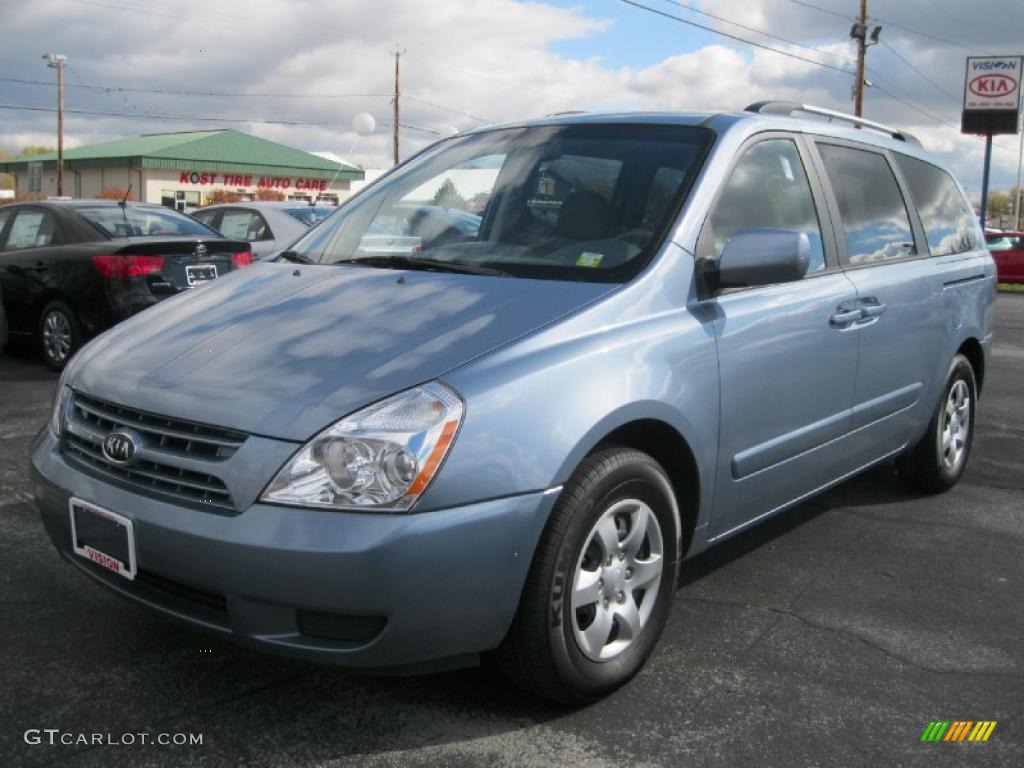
x,y
122,446
200,251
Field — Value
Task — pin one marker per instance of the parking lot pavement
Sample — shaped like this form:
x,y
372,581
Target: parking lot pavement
x,y
829,636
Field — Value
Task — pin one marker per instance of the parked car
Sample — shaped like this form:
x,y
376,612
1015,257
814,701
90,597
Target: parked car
x,y
3,325
268,227
72,268
1007,249
509,442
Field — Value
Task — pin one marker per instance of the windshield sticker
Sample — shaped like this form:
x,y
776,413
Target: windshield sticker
x,y
588,259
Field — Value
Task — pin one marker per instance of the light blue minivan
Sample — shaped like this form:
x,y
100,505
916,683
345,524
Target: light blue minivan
x,y
506,439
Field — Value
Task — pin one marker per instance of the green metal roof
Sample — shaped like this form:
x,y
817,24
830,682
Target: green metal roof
x,y
216,150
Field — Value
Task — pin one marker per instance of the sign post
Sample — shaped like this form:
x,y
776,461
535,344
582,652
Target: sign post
x,y
991,105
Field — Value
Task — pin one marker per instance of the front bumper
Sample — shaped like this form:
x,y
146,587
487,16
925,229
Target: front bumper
x,y
445,584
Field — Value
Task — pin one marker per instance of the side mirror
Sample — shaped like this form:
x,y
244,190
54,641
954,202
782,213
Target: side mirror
x,y
761,257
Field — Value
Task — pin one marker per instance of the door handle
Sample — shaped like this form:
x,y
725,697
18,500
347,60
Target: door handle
x,y
872,310
843,317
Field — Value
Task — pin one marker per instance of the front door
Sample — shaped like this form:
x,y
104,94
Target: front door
x,y
787,356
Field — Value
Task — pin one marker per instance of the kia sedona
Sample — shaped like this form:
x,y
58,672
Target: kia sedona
x,y
72,268
507,441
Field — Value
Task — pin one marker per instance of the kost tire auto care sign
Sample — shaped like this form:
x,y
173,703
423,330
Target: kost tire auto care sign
x,y
992,94
259,182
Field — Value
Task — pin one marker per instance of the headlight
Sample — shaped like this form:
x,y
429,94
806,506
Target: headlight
x,y
60,407
381,458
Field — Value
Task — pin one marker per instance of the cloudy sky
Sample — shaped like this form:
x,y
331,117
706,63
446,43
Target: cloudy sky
x,y
297,71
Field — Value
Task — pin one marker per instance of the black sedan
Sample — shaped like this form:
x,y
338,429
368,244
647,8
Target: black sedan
x,y
72,268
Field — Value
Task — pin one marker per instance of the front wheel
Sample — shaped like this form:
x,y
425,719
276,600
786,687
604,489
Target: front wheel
x,y
938,461
601,584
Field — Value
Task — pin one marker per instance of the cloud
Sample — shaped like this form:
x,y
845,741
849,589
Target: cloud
x,y
497,60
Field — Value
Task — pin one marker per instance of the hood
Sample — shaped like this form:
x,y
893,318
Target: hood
x,y
284,350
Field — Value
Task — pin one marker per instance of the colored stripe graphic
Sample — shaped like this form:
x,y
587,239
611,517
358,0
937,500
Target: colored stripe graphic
x,y
958,730
935,730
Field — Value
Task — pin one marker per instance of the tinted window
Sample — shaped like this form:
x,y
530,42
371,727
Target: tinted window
x,y
141,221
550,202
244,225
31,229
949,222
875,222
768,188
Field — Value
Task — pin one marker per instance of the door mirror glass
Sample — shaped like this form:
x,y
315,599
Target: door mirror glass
x,y
762,257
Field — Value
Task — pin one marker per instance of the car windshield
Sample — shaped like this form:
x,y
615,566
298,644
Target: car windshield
x,y
310,215
142,221
585,202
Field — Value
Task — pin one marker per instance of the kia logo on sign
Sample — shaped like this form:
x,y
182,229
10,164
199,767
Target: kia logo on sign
x,y
122,446
988,86
200,251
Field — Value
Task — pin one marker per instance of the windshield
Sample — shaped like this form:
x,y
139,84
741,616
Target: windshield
x,y
576,202
142,221
310,215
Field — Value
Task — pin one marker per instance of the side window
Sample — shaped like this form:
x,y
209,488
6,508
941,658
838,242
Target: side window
x,y
875,221
768,188
948,219
206,217
31,229
244,225
4,216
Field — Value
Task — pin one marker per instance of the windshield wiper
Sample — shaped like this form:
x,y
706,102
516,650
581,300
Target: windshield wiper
x,y
410,262
293,256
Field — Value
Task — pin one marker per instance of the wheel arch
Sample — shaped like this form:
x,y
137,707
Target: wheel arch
x,y
971,349
667,445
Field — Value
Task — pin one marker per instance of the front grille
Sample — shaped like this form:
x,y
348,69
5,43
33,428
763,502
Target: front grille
x,y
168,444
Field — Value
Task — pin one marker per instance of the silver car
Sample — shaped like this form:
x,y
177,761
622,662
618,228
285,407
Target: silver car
x,y
663,329
269,226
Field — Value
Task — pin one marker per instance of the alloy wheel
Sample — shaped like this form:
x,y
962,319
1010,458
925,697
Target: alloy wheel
x,y
57,336
616,579
956,426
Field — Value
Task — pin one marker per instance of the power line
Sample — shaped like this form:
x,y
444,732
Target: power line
x,y
736,37
921,74
772,35
219,94
911,30
447,109
201,118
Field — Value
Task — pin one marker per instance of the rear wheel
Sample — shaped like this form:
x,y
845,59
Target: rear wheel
x,y
938,461
600,587
60,334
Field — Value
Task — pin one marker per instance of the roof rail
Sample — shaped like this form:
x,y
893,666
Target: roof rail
x,y
787,108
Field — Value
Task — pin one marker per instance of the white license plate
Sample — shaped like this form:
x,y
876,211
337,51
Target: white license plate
x,y
197,274
103,537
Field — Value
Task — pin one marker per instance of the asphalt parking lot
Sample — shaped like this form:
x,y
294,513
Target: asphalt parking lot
x,y
829,636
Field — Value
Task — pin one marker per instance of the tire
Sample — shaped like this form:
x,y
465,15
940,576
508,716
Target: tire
x,y
60,334
547,650
933,465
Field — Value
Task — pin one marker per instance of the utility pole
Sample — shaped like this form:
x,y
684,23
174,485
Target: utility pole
x,y
398,55
1017,191
58,61
859,32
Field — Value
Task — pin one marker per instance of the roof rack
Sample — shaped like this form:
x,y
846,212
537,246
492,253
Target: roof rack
x,y
787,108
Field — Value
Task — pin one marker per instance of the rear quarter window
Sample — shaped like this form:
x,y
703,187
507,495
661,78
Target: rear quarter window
x,y
948,219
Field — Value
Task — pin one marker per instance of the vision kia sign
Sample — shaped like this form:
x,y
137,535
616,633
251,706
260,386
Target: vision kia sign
x,y
992,94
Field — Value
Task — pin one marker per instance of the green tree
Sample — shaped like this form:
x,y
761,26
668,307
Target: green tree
x,y
447,196
37,149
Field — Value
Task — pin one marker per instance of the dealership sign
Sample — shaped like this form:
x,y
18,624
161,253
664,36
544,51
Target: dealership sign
x,y
205,178
992,94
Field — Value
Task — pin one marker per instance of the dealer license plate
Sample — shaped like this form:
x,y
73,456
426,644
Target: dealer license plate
x,y
103,537
197,274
